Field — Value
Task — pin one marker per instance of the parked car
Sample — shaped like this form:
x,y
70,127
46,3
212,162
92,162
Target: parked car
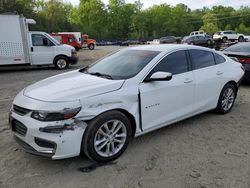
x,y
242,52
197,33
170,39
124,43
224,36
19,46
127,94
198,40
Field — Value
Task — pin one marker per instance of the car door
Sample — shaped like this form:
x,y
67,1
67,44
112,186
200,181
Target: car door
x,y
202,40
163,102
208,79
42,50
229,35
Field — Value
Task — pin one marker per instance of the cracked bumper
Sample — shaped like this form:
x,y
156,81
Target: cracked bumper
x,y
61,145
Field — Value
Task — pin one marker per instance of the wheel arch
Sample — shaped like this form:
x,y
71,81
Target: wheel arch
x,y
131,118
234,84
60,55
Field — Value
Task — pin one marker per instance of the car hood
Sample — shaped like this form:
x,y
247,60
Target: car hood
x,y
70,86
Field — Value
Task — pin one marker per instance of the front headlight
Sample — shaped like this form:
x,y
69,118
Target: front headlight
x,y
73,53
55,116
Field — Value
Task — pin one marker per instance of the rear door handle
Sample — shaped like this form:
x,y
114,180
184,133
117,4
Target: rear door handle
x,y
219,72
187,80
32,49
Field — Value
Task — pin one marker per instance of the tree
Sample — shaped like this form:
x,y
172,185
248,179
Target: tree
x,y
209,23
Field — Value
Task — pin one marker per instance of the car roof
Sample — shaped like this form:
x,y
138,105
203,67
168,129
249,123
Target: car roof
x,y
169,47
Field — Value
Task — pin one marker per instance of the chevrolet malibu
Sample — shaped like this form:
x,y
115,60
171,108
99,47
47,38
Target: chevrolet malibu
x,y
98,109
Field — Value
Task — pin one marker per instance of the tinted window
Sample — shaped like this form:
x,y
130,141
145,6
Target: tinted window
x,y
38,40
201,58
174,63
122,65
219,59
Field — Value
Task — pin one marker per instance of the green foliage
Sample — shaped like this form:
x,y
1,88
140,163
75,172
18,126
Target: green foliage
x,y
210,25
125,20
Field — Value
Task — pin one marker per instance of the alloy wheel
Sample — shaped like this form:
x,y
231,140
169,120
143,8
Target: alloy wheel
x,y
228,99
110,138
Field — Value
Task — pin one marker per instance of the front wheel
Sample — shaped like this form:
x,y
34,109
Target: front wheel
x,y
107,136
61,62
224,39
241,39
91,46
226,99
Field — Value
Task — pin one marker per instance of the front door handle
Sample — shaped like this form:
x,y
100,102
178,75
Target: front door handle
x,y
188,80
219,72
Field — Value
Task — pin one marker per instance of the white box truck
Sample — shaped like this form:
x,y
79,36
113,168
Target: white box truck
x,y
19,46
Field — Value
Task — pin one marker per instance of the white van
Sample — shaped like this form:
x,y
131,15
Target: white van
x,y
19,46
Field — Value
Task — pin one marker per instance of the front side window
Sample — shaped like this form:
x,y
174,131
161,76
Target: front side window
x,y
175,63
124,64
201,58
37,39
71,39
41,40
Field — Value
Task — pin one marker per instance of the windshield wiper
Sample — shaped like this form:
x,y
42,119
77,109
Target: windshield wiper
x,y
101,75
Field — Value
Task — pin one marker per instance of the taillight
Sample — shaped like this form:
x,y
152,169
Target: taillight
x,y
244,60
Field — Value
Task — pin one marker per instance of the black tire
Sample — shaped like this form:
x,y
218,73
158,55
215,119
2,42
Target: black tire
x,y
224,39
61,62
77,48
241,39
220,109
209,42
91,46
91,132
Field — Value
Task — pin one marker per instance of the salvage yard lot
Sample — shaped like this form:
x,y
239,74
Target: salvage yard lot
x,y
206,151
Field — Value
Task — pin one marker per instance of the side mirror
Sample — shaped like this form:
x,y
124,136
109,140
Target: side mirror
x,y
159,76
45,42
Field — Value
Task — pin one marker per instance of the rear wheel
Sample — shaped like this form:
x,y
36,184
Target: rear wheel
x,y
226,99
91,46
61,62
107,136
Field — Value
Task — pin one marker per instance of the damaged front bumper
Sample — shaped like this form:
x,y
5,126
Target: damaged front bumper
x,y
60,139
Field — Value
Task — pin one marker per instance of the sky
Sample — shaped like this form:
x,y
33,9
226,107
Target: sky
x,y
193,4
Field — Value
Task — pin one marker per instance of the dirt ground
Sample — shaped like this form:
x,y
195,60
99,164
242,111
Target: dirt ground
x,y
206,151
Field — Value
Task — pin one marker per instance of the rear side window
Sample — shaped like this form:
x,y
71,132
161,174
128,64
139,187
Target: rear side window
x,y
174,63
201,58
218,58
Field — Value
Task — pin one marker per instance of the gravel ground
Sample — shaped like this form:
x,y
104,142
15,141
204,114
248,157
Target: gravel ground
x,y
206,151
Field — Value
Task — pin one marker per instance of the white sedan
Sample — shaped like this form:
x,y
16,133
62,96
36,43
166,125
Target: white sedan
x,y
97,109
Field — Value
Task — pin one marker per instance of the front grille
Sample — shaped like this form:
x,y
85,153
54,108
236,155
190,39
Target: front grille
x,y
18,127
44,143
20,110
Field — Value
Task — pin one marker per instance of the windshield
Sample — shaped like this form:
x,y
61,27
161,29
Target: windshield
x,y
52,39
238,48
124,64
